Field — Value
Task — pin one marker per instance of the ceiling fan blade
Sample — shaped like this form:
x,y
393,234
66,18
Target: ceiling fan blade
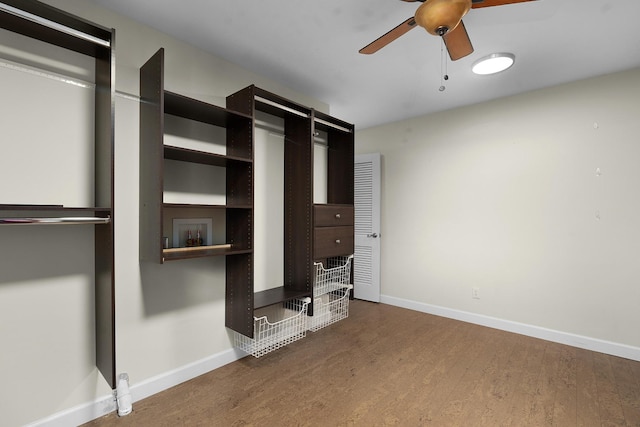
x,y
487,3
387,38
458,42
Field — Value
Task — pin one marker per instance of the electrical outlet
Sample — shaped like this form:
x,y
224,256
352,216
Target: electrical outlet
x,y
475,293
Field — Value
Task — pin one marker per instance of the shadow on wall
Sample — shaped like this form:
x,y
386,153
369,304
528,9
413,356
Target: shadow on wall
x,y
36,252
182,284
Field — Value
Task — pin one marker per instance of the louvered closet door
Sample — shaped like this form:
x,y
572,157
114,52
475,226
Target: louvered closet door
x,y
366,273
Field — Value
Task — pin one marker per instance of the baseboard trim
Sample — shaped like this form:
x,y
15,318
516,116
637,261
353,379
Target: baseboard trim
x,y
79,414
177,376
594,344
104,405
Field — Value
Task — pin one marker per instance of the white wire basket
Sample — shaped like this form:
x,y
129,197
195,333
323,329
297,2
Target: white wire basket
x,y
331,292
275,326
330,308
336,276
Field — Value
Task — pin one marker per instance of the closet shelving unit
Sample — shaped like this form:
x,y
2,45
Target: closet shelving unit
x,y
50,25
303,244
237,248
298,200
238,121
156,102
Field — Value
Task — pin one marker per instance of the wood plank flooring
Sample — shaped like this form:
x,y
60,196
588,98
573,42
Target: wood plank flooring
x,y
386,366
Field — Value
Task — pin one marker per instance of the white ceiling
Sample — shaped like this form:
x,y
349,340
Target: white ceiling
x,y
312,47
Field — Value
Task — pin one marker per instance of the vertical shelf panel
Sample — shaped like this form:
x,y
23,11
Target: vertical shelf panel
x,y
240,222
298,221
151,157
340,182
105,303
104,235
239,294
239,184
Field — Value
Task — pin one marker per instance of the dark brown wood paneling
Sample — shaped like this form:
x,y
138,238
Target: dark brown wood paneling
x,y
276,296
104,198
193,109
340,171
298,204
239,294
333,241
240,184
243,101
195,156
333,215
151,157
239,226
240,137
105,303
240,187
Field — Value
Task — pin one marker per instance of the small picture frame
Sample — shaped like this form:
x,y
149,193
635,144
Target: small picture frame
x,y
182,227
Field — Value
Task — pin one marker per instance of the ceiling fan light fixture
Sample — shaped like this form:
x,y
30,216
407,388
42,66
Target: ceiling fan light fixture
x,y
441,16
494,63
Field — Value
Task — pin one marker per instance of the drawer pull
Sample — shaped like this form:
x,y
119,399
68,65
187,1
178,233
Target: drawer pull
x,y
337,216
337,241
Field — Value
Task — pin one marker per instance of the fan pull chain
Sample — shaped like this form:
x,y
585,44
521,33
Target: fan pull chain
x,y
443,66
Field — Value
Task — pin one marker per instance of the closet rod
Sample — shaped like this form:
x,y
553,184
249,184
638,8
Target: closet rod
x,y
280,106
53,25
333,125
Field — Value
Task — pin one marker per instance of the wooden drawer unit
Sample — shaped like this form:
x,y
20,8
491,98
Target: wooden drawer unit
x,y
332,215
332,241
333,233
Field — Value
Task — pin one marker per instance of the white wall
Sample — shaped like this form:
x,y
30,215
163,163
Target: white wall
x,y
505,196
168,316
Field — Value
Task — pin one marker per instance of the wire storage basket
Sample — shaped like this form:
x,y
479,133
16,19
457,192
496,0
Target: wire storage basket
x,y
336,276
330,308
331,292
275,326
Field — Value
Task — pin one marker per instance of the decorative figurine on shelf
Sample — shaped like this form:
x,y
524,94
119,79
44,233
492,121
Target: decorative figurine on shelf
x,y
198,241
189,239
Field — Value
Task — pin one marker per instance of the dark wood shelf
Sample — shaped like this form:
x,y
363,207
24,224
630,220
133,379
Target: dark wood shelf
x,y
193,109
200,206
202,157
275,296
191,206
201,252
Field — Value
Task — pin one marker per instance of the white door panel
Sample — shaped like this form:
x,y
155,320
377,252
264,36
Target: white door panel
x,y
366,263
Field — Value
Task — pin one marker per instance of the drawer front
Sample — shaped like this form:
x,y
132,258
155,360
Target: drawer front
x,y
332,241
332,215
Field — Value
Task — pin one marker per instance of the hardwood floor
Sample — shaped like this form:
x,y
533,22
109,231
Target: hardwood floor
x,y
386,365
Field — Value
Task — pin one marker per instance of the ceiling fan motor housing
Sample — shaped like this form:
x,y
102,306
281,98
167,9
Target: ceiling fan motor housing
x,y
439,17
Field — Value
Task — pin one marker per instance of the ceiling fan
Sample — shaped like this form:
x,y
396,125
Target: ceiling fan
x,y
440,18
